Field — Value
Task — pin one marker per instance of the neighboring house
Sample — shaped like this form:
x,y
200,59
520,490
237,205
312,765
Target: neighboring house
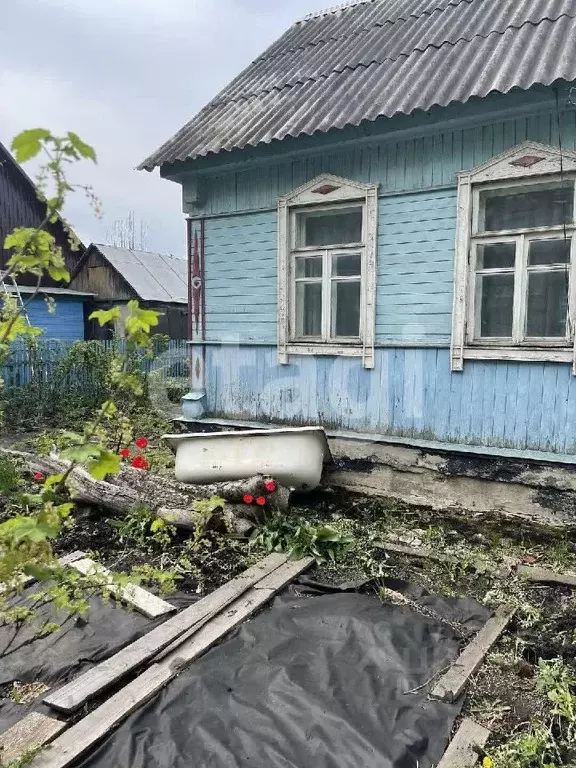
x,y
381,226
117,275
20,207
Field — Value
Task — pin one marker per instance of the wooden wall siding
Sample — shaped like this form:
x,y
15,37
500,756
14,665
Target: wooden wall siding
x,y
397,165
95,275
20,207
240,281
65,324
415,272
411,393
416,236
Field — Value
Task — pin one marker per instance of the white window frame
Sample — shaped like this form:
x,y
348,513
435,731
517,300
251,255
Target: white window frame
x,y
508,171
327,193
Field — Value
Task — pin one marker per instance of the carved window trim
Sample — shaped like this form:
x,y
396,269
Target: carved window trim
x,y
326,191
528,163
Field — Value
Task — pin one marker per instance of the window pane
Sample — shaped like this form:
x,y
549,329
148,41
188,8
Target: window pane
x,y
496,294
523,210
549,251
308,309
345,308
496,255
347,265
547,304
330,227
309,267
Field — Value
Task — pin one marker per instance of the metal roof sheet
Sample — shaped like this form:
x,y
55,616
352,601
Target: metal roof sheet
x,y
153,276
47,290
378,58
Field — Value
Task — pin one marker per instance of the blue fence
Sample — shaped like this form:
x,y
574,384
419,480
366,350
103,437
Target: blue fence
x,y
45,360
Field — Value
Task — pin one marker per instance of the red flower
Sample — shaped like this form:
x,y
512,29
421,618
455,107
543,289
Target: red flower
x,y
39,477
248,499
141,442
125,452
261,501
270,486
139,462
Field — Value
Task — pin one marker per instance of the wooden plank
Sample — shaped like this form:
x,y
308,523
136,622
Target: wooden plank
x,y
72,557
427,553
142,600
239,611
25,581
31,732
277,579
87,732
546,576
451,685
74,695
274,580
461,752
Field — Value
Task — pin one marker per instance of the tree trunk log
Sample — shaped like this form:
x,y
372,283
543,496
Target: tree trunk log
x,y
171,500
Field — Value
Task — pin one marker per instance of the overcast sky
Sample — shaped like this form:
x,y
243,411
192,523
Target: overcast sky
x,y
125,75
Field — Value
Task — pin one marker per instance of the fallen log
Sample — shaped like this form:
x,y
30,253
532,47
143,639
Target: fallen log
x,y
173,501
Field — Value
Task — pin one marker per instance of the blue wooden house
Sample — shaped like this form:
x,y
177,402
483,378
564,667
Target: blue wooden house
x,y
381,218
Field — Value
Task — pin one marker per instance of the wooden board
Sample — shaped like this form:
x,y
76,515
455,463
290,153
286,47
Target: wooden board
x,y
141,599
461,752
31,732
546,576
76,693
87,732
25,581
72,557
451,685
428,553
236,613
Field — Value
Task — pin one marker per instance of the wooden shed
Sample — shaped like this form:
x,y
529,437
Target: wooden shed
x,y
116,275
21,207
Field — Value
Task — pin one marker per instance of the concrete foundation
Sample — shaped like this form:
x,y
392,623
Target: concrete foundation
x,y
541,493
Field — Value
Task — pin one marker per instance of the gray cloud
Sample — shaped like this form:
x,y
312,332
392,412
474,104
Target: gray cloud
x,y
125,75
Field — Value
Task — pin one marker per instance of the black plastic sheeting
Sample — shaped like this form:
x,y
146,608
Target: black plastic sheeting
x,y
323,679
66,654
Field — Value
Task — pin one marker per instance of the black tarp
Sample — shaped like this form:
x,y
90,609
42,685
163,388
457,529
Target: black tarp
x,y
63,655
323,679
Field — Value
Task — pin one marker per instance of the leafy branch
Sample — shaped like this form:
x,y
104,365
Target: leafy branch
x,y
26,539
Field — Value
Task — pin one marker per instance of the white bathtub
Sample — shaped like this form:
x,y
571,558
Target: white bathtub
x,y
292,456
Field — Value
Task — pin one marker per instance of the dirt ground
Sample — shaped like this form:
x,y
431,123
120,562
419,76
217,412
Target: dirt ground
x,y
503,695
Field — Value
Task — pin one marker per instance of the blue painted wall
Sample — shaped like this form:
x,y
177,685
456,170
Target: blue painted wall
x,y
412,392
65,324
416,235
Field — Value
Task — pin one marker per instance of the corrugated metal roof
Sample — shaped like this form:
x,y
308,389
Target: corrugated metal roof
x,y
378,58
154,276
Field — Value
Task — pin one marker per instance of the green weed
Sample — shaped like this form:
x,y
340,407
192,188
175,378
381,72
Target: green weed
x,y
296,537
